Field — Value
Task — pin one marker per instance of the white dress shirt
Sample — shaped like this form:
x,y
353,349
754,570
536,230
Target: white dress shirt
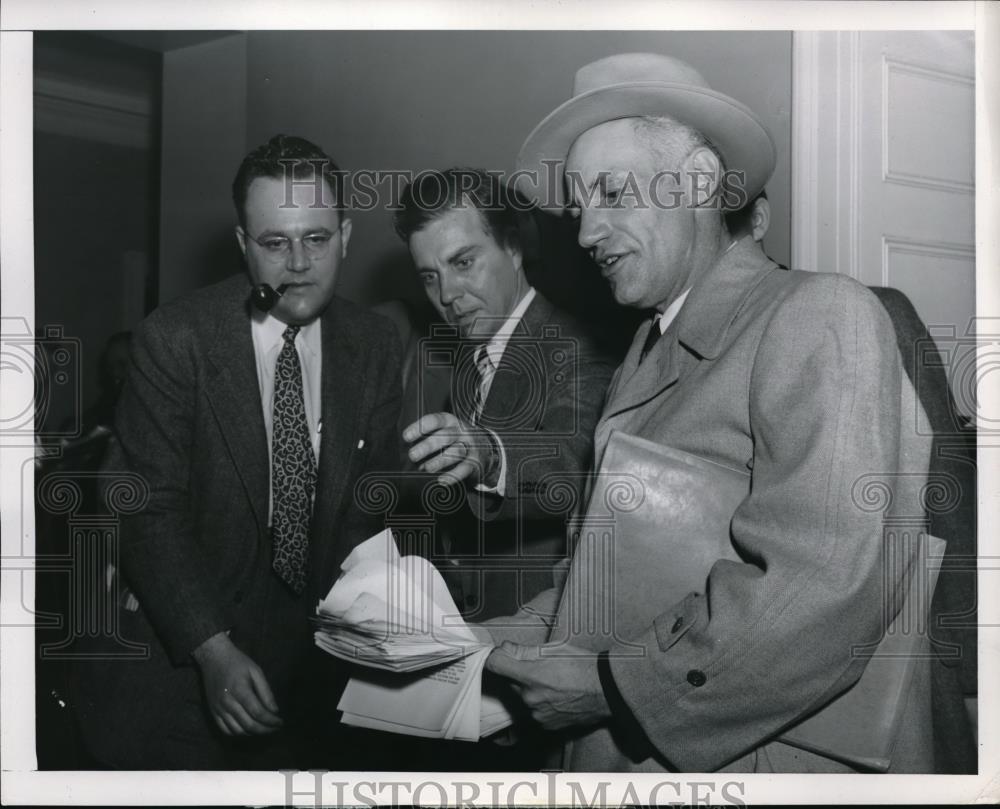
x,y
495,349
670,313
667,317
498,342
266,331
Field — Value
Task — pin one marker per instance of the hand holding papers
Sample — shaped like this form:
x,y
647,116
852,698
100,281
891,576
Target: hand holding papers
x,y
395,614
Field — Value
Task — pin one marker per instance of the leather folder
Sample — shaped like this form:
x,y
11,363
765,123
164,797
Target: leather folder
x,y
662,516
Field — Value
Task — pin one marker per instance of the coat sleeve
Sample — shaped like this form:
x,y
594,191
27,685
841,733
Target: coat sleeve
x,y
532,624
161,557
771,638
560,449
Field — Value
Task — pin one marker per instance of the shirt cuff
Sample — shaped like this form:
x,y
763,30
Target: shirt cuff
x,y
501,485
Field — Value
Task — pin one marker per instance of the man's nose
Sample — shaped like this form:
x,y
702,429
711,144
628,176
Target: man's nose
x,y
593,228
298,260
449,291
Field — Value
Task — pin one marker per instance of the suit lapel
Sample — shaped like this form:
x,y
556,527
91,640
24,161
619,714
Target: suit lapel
x,y
464,379
506,388
343,384
234,395
511,384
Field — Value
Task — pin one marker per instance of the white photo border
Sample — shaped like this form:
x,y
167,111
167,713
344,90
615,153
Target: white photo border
x,y
22,784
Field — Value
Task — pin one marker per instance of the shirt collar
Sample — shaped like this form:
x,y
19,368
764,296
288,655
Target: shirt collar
x,y
269,330
664,320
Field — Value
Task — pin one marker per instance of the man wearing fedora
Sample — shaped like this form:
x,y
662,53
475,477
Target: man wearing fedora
x,y
792,378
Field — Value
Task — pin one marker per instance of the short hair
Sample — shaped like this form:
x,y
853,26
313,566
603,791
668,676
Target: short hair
x,y
274,158
669,139
431,194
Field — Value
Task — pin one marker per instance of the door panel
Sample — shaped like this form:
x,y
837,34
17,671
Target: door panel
x,y
883,158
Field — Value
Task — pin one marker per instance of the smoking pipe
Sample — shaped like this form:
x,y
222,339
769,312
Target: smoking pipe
x,y
264,296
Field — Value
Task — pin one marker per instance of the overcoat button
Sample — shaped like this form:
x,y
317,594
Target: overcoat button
x,y
696,678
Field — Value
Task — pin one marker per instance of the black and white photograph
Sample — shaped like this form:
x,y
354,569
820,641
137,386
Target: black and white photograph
x,y
499,404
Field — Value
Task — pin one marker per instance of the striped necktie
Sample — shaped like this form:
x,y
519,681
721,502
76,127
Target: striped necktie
x,y
293,468
484,364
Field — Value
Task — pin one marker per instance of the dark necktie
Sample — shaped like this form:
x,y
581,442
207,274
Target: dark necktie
x,y
651,339
293,468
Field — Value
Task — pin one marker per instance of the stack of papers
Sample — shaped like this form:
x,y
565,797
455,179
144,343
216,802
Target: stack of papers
x,y
395,616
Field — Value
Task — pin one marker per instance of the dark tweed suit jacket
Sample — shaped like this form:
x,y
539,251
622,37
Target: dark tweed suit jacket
x,y
198,556
543,404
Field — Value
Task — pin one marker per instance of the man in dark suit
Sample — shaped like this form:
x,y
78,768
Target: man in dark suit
x,y
250,444
527,386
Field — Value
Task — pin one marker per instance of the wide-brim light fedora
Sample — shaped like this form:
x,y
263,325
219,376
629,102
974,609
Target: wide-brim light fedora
x,y
631,85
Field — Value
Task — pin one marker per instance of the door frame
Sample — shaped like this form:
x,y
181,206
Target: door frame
x,y
826,123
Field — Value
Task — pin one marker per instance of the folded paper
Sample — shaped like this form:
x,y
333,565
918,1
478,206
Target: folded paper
x,y
423,670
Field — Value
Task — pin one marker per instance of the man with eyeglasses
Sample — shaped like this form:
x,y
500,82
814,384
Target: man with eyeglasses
x,y
250,429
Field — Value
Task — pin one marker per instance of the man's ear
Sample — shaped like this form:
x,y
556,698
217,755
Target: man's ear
x,y
703,168
516,257
345,236
760,220
241,237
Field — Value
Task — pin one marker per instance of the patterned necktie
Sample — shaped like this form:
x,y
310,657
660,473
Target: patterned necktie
x,y
484,364
293,468
651,339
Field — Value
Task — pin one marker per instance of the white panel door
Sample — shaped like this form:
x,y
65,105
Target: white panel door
x,y
884,185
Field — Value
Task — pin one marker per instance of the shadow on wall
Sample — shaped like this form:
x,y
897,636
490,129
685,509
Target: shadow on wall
x,y
219,254
564,272
390,275
554,263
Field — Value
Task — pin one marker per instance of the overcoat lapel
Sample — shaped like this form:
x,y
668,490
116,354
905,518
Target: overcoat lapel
x,y
699,333
641,381
638,385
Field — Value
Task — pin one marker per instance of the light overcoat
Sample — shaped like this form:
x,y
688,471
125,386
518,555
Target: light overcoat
x,y
796,378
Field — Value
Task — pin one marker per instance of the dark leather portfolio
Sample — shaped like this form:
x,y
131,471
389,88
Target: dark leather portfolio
x,y
658,519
